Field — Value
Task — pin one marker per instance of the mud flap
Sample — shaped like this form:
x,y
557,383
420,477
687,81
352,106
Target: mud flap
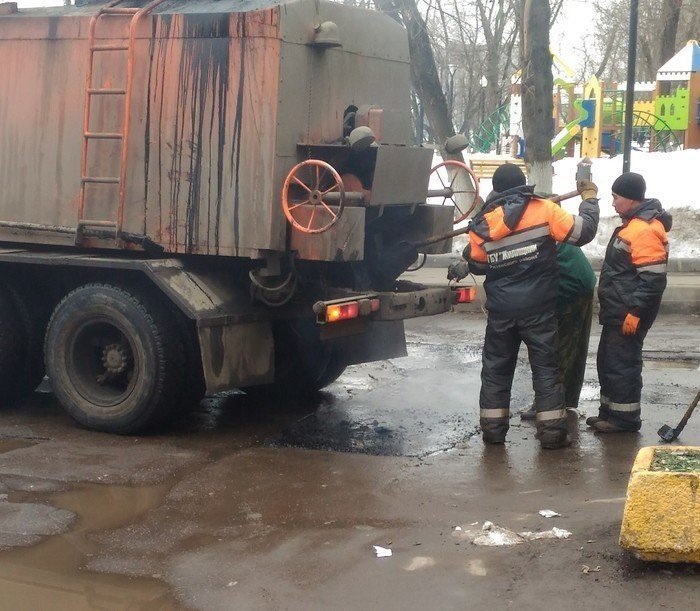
x,y
381,340
236,355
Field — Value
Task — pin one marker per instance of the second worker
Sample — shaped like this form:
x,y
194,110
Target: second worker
x,y
513,242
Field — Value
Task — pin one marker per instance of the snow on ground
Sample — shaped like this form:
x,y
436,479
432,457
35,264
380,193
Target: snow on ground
x,y
672,178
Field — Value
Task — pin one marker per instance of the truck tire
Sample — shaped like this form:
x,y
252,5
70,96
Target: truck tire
x,y
32,320
114,358
11,347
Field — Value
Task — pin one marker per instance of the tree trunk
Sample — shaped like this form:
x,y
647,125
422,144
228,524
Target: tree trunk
x,y
646,68
670,16
424,72
537,84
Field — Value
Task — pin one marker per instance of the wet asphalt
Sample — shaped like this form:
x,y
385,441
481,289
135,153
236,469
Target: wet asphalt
x,y
254,502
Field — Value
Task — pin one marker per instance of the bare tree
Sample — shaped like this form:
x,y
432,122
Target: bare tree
x,y
498,26
664,27
424,72
537,83
670,16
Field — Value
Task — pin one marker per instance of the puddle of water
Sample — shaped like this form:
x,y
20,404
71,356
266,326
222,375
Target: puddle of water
x,y
50,574
423,354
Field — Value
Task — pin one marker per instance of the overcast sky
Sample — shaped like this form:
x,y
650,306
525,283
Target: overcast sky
x,y
576,22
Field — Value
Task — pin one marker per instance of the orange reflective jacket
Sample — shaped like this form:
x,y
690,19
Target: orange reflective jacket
x,y
513,242
633,276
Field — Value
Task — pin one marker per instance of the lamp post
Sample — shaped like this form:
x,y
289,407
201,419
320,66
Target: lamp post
x,y
629,94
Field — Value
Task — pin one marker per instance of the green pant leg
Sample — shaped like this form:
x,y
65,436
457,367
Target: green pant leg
x,y
574,320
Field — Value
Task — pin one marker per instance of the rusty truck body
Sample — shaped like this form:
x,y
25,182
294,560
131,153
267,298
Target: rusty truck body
x,y
198,195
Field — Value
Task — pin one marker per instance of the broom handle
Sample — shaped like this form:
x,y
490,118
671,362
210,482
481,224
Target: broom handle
x,y
561,198
455,232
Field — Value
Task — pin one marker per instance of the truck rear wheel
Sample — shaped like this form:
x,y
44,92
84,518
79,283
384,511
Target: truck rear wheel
x,y
114,358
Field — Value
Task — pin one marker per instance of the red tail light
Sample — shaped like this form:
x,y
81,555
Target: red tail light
x,y
342,312
346,309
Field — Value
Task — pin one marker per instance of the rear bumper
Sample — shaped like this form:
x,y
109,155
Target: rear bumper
x,y
379,334
392,305
412,304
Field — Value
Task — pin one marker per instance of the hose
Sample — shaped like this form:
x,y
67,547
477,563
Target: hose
x,y
274,289
410,268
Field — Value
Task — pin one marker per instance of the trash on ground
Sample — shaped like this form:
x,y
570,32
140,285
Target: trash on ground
x,y
495,536
382,552
587,569
458,528
548,513
554,533
492,535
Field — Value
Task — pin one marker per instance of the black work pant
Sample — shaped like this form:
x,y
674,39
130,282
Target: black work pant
x,y
574,322
620,376
501,345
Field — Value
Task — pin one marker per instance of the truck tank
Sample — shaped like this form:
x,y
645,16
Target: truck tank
x,y
200,195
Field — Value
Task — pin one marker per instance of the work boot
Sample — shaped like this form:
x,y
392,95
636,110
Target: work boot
x,y
603,426
493,439
529,414
592,420
550,442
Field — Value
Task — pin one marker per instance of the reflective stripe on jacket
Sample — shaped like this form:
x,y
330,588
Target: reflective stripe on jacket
x,y
512,241
633,276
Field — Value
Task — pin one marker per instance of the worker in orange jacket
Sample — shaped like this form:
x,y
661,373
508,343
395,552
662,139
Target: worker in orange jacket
x,y
513,242
632,281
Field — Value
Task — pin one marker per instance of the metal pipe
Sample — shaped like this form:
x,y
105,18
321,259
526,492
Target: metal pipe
x,y
351,197
629,94
446,192
37,227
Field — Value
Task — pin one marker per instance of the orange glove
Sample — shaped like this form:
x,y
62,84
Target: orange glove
x,y
630,324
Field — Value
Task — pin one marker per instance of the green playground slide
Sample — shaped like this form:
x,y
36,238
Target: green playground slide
x,y
570,130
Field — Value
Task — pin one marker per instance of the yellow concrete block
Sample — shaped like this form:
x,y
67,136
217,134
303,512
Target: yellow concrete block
x,y
661,521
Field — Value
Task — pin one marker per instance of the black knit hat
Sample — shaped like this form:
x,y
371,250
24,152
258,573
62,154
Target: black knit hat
x,y
507,177
630,185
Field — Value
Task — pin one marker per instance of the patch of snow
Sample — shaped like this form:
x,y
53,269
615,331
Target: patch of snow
x,y
554,533
492,535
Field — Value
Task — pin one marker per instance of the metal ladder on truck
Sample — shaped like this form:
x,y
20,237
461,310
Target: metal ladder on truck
x,y
111,10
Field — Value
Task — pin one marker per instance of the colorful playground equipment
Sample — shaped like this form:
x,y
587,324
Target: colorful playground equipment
x,y
666,113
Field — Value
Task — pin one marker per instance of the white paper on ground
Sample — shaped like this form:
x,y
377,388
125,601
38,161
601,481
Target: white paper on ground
x,y
382,552
548,513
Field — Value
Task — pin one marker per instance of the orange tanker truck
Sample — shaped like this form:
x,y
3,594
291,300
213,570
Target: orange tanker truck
x,y
201,195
